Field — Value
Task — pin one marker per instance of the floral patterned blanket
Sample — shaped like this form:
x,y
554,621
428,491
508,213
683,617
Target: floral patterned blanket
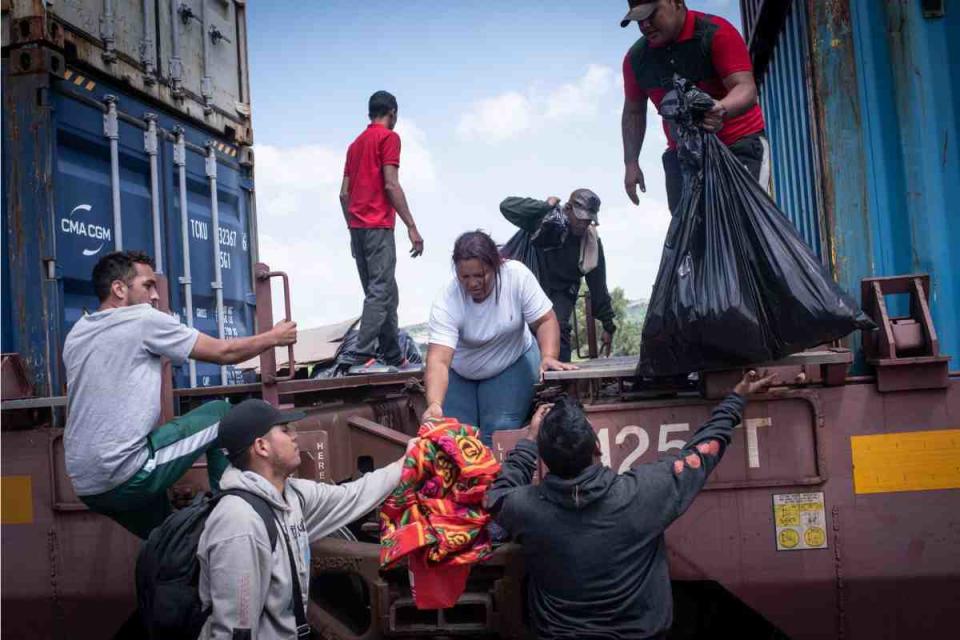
x,y
436,512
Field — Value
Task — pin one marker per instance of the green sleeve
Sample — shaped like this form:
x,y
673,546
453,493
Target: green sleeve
x,y
524,213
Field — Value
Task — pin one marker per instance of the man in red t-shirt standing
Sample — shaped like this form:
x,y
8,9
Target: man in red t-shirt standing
x,y
707,51
371,197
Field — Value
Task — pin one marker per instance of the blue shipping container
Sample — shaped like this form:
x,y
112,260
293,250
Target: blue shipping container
x,y
868,92
59,215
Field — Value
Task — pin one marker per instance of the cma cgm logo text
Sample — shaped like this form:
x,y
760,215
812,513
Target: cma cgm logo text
x,y
75,225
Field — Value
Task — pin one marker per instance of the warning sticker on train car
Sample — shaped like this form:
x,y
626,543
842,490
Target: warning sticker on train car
x,y
910,461
800,521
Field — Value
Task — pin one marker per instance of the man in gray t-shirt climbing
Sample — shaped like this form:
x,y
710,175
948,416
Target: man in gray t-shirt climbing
x,y
120,462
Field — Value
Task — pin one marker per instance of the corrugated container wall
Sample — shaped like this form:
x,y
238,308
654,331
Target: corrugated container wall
x,y
868,91
99,155
785,97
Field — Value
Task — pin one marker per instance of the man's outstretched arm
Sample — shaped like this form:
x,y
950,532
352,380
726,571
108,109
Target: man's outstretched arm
x,y
327,507
677,479
209,349
520,465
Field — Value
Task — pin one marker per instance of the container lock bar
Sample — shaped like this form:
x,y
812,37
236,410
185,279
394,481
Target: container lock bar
x,y
217,284
151,147
111,131
180,161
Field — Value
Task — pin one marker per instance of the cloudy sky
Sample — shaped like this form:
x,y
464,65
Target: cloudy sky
x,y
497,98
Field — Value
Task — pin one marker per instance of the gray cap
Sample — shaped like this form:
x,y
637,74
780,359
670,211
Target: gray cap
x,y
639,10
585,204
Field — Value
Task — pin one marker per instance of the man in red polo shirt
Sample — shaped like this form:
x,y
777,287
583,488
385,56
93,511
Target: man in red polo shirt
x,y
371,197
708,51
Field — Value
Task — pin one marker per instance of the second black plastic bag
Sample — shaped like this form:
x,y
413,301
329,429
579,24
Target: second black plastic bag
x,y
520,247
737,285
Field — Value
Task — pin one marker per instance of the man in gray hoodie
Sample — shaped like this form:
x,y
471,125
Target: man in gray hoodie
x,y
593,540
248,586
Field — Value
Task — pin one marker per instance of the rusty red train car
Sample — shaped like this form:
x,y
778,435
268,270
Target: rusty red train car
x,y
835,512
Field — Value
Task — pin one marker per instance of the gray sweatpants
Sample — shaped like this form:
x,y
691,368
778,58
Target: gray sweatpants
x,y
375,252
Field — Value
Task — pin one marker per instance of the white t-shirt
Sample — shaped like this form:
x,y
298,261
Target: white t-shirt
x,y
489,336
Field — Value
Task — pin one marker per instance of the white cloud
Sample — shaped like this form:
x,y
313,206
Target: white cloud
x,y
288,179
497,118
583,97
417,168
633,242
506,115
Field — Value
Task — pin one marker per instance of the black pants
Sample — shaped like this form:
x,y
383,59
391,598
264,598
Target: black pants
x,y
375,252
564,301
752,151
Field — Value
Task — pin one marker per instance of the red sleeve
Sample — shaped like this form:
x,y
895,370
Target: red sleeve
x,y
631,90
346,163
390,149
729,51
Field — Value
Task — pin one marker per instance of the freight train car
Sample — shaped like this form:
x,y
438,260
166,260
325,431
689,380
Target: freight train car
x,y
834,512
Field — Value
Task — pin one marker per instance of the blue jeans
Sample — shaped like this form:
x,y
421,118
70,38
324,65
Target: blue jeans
x,y
500,402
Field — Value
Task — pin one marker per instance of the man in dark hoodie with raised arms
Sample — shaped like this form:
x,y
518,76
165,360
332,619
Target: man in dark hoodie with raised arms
x,y
593,540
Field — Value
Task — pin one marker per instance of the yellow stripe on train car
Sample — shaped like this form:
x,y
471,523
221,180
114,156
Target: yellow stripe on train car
x,y
16,500
907,461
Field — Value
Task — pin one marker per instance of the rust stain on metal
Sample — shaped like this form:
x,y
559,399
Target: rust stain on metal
x,y
839,11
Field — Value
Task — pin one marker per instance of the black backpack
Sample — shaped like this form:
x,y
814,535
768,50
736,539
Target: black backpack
x,y
168,571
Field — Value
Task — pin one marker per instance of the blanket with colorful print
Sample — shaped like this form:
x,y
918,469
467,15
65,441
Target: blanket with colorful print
x,y
436,514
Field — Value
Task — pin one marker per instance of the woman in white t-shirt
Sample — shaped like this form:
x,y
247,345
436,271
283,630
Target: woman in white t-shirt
x,y
483,360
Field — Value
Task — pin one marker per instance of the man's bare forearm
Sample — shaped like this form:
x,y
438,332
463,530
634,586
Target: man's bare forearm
x,y
633,127
232,351
398,200
740,99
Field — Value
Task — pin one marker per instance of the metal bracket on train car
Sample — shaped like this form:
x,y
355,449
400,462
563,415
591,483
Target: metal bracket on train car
x,y
34,59
904,349
381,603
264,314
826,365
62,495
39,29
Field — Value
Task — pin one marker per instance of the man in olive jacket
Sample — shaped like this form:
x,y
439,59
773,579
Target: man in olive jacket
x,y
568,248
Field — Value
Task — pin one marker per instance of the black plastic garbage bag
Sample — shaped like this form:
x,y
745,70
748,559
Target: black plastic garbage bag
x,y
520,248
552,231
346,355
737,285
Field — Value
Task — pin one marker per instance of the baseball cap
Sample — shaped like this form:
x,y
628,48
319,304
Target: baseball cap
x,y
639,10
586,205
249,420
